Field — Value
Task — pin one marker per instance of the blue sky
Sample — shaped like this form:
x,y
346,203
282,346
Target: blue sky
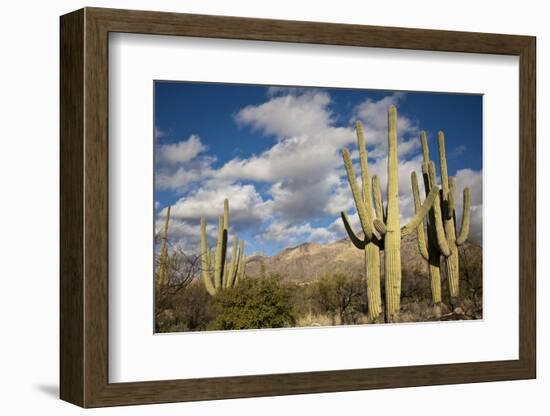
x,y
275,153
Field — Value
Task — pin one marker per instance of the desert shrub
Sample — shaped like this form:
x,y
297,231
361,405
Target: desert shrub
x,y
262,302
182,268
415,284
300,298
471,280
190,310
194,308
339,296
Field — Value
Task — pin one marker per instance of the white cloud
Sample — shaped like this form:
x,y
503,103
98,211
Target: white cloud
x,y
282,90
185,234
180,152
300,177
374,115
158,133
177,165
246,206
289,115
337,226
288,234
473,180
176,179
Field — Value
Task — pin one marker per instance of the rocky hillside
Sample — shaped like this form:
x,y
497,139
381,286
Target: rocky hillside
x,y
310,261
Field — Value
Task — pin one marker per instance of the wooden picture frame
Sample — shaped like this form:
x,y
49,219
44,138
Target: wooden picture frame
x,y
84,207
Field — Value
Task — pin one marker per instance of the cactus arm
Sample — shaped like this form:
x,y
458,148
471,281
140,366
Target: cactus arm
x,y
451,262
392,214
425,148
218,268
238,265
378,205
371,246
242,264
465,225
205,260
233,263
443,165
420,235
421,213
380,227
451,204
432,238
226,214
366,222
372,277
441,237
212,260
225,276
364,163
432,248
357,242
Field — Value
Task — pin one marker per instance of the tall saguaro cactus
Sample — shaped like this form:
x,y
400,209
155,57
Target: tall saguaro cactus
x,y
386,228
162,275
371,243
216,273
442,227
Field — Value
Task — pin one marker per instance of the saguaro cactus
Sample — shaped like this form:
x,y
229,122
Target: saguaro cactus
x,y
442,227
162,275
217,274
427,241
383,229
371,243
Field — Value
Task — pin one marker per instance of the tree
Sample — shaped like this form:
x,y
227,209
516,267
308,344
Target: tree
x,y
180,269
340,296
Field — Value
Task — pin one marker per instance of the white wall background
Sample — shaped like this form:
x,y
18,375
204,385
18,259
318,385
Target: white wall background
x,y
29,158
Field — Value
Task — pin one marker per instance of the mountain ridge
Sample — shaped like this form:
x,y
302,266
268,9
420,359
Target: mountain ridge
x,y
310,261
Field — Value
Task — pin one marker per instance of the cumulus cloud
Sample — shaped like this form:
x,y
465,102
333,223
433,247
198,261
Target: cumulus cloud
x,y
185,234
283,232
289,115
283,90
247,208
473,180
337,226
180,164
177,179
300,167
180,152
278,194
374,115
158,133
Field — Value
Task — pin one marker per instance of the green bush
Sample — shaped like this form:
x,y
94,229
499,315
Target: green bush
x,y
254,303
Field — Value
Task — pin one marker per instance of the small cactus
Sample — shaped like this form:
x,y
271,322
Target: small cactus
x,y
216,273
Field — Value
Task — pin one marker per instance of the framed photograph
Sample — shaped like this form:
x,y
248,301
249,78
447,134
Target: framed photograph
x,y
255,207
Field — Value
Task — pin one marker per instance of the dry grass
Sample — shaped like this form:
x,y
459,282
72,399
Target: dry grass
x,y
325,320
317,320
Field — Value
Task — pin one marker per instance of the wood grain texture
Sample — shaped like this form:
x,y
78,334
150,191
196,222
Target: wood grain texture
x,y
84,207
71,213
